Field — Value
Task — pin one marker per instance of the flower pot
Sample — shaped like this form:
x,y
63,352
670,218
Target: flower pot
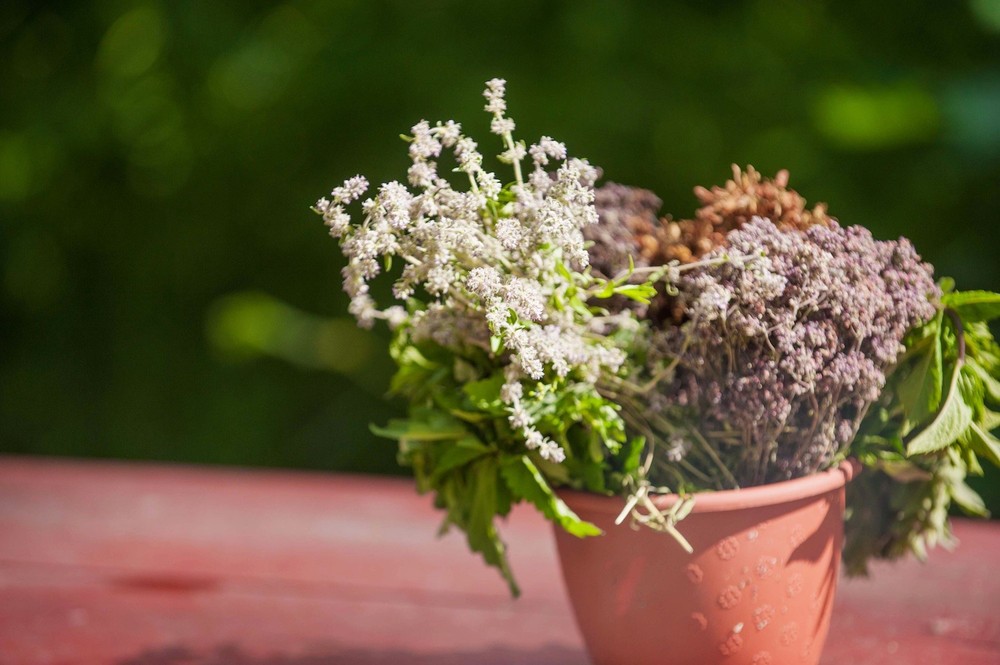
x,y
758,588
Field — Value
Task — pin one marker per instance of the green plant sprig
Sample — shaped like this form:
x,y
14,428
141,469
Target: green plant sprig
x,y
463,451
929,432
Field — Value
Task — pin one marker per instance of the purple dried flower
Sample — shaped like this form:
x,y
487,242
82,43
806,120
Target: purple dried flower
x,y
785,353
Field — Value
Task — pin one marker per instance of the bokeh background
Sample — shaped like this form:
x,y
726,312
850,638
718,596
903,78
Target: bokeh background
x,y
165,292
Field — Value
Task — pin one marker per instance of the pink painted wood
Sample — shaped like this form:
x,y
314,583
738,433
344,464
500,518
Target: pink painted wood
x,y
138,564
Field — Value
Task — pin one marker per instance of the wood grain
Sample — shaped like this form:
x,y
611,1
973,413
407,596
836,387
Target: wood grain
x,y
141,564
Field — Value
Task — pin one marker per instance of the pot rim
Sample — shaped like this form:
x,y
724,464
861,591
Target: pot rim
x,y
729,500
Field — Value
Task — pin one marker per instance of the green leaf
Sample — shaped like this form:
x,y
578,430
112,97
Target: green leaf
x,y
972,464
948,425
525,480
419,430
638,292
485,394
990,420
983,348
564,272
973,306
607,291
968,499
469,416
633,453
991,384
480,530
903,471
920,392
458,455
985,444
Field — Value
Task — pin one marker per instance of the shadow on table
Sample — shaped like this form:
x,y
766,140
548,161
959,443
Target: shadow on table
x,y
334,655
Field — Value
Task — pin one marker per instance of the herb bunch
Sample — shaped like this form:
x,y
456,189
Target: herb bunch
x,y
550,334
498,342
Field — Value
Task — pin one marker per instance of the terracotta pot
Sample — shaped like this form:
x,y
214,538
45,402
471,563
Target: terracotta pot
x,y
758,588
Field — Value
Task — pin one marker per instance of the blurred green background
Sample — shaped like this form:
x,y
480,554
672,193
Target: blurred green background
x,y
167,294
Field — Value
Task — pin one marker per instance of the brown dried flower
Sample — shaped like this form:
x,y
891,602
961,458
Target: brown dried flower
x,y
629,225
728,208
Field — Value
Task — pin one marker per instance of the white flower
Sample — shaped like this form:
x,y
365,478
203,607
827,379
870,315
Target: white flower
x,y
424,145
489,184
448,133
525,297
484,281
497,315
484,265
677,448
551,451
494,94
350,191
338,220
363,309
547,448
394,201
422,174
508,232
501,126
440,279
547,148
514,154
469,159
511,392
396,316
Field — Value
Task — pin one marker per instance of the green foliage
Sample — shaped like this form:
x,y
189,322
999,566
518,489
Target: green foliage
x,y
526,481
462,450
928,434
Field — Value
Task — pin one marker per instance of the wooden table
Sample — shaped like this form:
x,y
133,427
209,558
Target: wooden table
x,y
107,562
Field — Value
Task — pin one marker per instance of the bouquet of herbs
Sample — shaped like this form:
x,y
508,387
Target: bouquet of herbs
x,y
550,333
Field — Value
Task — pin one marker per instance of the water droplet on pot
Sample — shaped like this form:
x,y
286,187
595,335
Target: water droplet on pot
x,y
789,634
729,597
752,535
700,619
761,658
762,616
765,566
694,573
732,644
728,548
794,587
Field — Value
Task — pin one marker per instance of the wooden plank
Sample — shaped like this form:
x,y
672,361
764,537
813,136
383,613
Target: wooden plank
x,y
137,563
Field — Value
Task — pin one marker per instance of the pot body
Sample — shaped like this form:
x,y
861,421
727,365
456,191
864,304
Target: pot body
x,y
758,588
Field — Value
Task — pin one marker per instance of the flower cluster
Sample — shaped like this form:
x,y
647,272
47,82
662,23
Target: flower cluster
x,y
489,267
781,357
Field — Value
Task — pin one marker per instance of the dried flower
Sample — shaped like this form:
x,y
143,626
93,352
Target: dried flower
x,y
783,355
